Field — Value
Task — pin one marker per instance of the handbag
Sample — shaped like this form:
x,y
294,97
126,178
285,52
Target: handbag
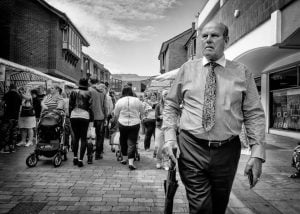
x,y
91,138
27,110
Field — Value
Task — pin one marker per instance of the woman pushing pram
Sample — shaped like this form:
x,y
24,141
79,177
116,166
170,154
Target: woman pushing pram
x,y
50,130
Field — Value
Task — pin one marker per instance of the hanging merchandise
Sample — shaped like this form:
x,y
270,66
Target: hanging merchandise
x,y
2,72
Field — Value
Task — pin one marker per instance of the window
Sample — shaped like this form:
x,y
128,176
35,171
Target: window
x,y
71,41
285,112
194,46
285,99
284,79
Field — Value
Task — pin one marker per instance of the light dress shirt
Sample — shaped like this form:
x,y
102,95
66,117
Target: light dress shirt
x,y
237,102
129,110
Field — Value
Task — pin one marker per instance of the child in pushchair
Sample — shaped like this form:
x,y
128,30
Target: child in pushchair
x,y
114,140
50,142
296,161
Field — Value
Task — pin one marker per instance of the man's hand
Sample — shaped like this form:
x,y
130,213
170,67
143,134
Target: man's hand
x,y
168,148
254,164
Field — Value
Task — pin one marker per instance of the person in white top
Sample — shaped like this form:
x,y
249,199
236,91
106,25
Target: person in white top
x,y
128,111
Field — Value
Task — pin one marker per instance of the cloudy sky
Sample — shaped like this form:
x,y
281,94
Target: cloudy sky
x,y
126,35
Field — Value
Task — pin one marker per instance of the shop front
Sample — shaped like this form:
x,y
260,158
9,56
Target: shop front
x,y
275,64
284,105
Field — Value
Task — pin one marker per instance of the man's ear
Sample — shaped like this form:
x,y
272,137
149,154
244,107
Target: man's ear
x,y
226,39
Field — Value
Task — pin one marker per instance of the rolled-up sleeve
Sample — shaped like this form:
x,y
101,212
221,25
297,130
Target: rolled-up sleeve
x,y
254,118
172,107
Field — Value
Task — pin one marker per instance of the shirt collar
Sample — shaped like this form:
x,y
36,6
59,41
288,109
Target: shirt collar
x,y
221,61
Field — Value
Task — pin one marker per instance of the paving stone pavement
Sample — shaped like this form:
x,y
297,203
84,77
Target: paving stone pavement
x,y
107,186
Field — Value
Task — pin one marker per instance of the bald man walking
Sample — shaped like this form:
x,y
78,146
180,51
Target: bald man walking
x,y
217,97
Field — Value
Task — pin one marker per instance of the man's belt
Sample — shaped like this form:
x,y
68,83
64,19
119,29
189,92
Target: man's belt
x,y
217,144
211,143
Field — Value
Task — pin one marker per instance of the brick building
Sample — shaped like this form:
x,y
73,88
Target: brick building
x,y
35,34
265,36
173,52
91,67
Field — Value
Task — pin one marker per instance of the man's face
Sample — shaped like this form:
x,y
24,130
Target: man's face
x,y
213,42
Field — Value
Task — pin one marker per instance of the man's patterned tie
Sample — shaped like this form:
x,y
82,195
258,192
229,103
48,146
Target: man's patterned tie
x,y
209,107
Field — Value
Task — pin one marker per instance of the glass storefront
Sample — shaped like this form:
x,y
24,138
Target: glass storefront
x,y
285,100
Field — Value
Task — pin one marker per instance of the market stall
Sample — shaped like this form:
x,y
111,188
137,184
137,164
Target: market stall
x,y
21,76
163,81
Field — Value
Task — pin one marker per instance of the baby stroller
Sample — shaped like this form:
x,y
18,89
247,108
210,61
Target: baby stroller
x,y
50,139
114,140
118,150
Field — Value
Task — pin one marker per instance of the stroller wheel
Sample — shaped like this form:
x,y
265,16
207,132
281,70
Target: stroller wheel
x,y
31,160
113,149
57,160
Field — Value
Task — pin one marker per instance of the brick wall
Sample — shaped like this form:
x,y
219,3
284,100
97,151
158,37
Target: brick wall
x,y
177,52
5,14
33,37
167,60
29,34
252,14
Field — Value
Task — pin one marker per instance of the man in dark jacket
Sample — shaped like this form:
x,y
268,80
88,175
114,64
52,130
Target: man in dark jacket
x,y
13,101
36,102
99,109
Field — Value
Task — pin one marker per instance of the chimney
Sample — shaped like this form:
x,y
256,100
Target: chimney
x,y
193,26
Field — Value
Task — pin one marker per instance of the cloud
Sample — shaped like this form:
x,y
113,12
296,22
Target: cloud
x,y
125,9
124,20
105,22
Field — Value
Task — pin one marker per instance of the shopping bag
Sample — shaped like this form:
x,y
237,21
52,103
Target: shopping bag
x,y
91,136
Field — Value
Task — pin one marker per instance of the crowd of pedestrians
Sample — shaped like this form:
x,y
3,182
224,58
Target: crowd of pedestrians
x,y
92,104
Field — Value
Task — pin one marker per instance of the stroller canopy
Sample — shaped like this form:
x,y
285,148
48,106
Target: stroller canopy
x,y
51,118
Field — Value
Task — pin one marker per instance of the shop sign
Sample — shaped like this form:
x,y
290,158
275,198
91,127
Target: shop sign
x,y
2,72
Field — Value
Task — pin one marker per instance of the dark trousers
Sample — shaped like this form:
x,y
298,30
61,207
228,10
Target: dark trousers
x,y
80,128
99,129
128,139
68,133
207,173
150,130
9,133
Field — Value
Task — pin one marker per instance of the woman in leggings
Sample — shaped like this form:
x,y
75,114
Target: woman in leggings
x,y
81,115
128,110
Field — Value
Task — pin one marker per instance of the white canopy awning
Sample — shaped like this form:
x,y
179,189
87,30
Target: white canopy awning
x,y
167,76
34,71
163,81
